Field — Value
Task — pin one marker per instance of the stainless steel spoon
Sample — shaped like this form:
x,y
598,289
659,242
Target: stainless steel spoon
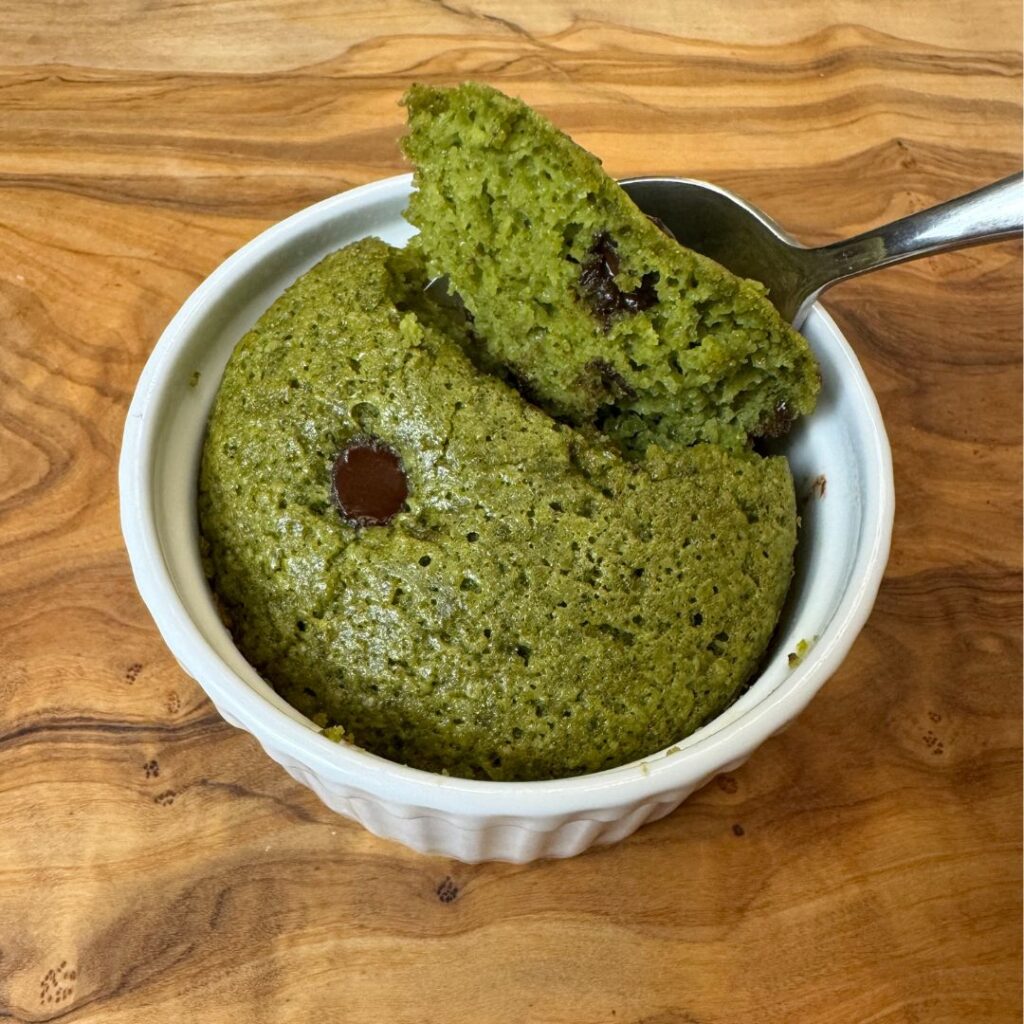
x,y
719,224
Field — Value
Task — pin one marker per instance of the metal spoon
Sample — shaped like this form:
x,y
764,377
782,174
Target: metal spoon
x,y
719,224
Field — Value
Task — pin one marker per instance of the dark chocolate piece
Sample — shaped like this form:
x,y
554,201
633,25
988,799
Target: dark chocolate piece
x,y
598,287
370,485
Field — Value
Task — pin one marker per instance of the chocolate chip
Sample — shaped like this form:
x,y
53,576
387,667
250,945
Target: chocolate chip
x,y
598,287
777,422
370,485
611,380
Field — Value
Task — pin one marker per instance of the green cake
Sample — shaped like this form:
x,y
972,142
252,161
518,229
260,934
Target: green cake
x,y
516,599
579,298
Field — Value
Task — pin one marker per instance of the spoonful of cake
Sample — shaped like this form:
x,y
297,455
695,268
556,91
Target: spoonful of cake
x,y
577,293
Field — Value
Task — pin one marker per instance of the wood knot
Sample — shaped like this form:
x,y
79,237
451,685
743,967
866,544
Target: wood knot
x,y
57,985
447,891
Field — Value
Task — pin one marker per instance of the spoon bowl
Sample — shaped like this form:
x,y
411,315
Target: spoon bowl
x,y
718,224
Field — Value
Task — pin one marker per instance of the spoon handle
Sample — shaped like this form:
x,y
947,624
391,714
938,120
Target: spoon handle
x,y
987,215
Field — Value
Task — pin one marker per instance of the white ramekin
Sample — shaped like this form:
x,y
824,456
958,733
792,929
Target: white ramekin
x,y
842,553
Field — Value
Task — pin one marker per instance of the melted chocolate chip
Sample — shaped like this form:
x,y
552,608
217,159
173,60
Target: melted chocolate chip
x,y
611,380
598,287
370,485
777,422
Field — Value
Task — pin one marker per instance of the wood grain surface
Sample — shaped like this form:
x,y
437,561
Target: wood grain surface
x,y
156,866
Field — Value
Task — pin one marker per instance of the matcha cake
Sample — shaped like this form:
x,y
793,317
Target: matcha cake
x,y
580,298
418,558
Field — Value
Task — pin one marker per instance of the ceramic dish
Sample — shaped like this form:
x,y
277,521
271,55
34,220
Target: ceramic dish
x,y
842,551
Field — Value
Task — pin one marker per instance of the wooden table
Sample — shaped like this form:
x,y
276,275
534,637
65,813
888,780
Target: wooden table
x,y
156,866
